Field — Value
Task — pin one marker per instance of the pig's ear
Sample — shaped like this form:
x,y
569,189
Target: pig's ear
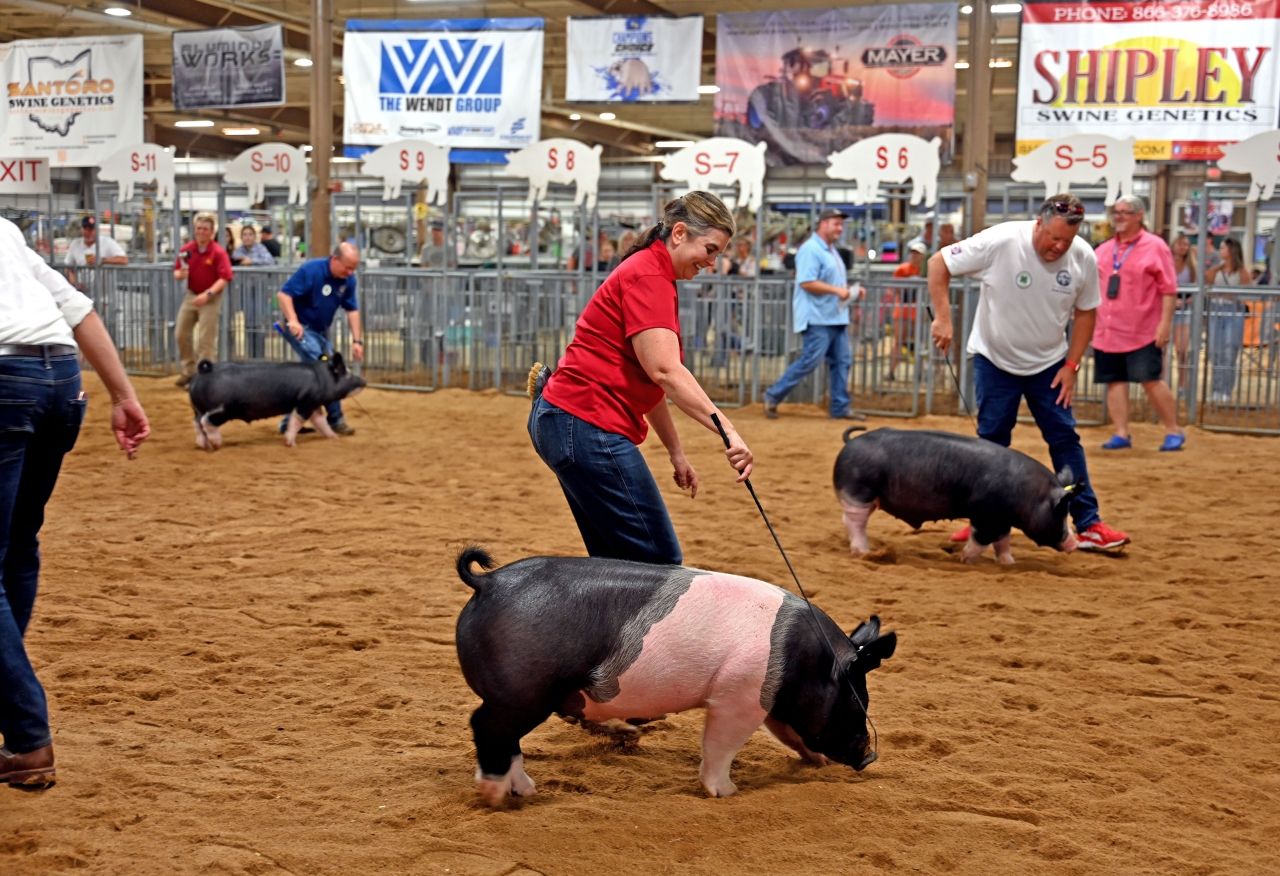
x,y
339,365
881,649
1066,477
866,632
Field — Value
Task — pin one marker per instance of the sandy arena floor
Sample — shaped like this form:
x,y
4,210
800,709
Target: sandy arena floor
x,y
249,657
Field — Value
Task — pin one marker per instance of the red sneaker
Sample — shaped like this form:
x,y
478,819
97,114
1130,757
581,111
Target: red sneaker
x,y
962,535
1101,537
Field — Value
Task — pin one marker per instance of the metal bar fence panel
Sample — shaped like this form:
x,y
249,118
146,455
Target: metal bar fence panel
x,y
1240,378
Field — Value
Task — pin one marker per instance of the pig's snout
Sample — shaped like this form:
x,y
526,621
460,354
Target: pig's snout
x,y
1069,543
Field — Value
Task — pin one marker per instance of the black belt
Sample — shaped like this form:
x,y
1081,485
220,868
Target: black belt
x,y
38,351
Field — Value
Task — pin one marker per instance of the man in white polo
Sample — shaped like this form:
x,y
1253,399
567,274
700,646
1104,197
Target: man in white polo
x,y
1036,277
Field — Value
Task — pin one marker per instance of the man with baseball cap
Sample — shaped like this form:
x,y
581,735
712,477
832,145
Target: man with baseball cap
x,y
820,307
89,249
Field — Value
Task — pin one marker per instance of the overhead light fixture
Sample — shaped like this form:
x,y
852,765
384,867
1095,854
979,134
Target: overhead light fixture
x,y
573,117
673,144
608,117
966,10
962,65
193,123
307,147
118,11
1001,62
708,89
240,132
1006,8
302,62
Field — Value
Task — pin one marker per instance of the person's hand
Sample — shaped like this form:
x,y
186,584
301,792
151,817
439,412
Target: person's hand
x,y
200,300
1065,378
941,332
684,475
295,328
1163,331
843,293
357,352
90,258
740,456
181,273
129,425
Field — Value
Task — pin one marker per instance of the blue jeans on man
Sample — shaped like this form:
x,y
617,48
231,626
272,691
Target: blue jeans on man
x,y
820,341
312,346
999,394
611,491
40,416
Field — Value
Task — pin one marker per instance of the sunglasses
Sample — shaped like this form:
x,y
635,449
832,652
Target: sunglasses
x,y
1068,209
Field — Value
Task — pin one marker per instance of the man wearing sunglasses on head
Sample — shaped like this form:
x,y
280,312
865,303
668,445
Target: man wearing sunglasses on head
x,y
1037,277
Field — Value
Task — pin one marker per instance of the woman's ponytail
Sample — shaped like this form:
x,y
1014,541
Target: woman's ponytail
x,y
701,212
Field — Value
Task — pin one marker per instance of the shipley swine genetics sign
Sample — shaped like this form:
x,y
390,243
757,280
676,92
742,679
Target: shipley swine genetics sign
x,y
464,83
1185,76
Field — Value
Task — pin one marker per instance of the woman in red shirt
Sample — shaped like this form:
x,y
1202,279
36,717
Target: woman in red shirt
x,y
624,362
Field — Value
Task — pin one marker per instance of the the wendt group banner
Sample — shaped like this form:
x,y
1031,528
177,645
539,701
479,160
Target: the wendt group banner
x,y
73,100
228,66
621,58
1184,76
812,82
463,83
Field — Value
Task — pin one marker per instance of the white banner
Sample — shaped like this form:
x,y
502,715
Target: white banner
x,y
463,83
650,60
1184,77
74,101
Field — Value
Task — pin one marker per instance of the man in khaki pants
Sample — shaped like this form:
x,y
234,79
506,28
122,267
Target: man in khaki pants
x,y
206,267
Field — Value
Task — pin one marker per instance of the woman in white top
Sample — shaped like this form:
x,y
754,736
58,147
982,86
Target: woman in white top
x,y
1226,319
1184,263
44,322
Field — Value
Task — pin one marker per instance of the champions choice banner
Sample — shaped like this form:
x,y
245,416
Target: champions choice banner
x,y
464,83
812,82
228,66
650,60
1185,76
74,101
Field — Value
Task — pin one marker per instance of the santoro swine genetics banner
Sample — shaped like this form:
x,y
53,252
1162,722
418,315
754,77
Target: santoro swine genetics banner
x,y
74,100
463,83
633,58
1184,76
812,82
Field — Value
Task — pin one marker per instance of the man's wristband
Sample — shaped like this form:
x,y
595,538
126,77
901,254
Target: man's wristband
x,y
1074,366
361,343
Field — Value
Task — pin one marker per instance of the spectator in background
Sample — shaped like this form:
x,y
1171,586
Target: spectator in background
x,y
230,245
925,236
946,235
1184,266
1135,321
90,249
608,252
433,254
206,267
269,241
1226,319
250,251
625,242
745,258
904,306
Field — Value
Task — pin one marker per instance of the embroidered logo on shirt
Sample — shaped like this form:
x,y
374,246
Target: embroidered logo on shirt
x,y
1023,279
1064,278
326,290
955,250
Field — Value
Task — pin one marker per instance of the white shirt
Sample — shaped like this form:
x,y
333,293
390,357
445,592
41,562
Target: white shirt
x,y
37,304
1026,302
78,249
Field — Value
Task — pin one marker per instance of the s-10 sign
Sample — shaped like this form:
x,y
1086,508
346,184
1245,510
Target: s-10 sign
x,y
1189,76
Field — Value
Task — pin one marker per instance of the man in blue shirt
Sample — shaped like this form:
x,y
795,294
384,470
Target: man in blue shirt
x,y
821,313
309,301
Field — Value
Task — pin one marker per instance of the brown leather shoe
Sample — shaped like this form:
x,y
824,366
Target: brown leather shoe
x,y
34,769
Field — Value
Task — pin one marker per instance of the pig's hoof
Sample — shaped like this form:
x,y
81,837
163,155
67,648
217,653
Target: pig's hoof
x,y
815,759
494,791
616,728
723,788
1005,559
523,786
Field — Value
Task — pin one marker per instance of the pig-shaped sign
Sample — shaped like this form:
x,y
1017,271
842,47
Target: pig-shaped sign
x,y
411,161
1079,158
1259,156
720,161
891,158
270,164
137,165
558,160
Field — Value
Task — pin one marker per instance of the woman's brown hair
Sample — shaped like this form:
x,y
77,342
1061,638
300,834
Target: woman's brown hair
x,y
702,212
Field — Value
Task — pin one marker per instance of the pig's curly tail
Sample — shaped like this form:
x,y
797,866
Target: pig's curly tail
x,y
479,556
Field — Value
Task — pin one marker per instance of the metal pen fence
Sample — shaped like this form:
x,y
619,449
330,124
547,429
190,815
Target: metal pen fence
x,y
483,329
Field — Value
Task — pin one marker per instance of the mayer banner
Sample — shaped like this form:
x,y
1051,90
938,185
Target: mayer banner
x,y
74,100
815,81
228,66
650,60
464,83
1183,76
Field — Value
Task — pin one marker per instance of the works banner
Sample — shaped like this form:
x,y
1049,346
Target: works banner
x,y
228,66
815,81
74,100
650,60
1184,76
463,83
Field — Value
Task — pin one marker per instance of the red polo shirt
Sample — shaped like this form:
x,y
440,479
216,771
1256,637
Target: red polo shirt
x,y
600,379
205,268
1128,322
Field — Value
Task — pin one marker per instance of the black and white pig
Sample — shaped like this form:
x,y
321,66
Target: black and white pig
x,y
919,475
600,639
249,391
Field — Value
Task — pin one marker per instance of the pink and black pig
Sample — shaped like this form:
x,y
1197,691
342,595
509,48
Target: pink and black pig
x,y
600,639
918,475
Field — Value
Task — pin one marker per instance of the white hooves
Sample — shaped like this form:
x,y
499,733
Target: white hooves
x,y
720,787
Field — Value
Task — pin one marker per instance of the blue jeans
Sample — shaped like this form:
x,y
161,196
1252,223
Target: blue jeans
x,y
831,342
999,394
312,346
40,416
1226,339
610,489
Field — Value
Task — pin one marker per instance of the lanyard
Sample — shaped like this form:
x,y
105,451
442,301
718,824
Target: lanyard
x,y
1117,264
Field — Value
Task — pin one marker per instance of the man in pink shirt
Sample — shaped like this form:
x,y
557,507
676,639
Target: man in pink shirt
x,y
1139,286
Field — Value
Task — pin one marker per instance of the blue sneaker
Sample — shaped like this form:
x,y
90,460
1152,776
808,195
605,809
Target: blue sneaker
x,y
1118,443
1173,442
